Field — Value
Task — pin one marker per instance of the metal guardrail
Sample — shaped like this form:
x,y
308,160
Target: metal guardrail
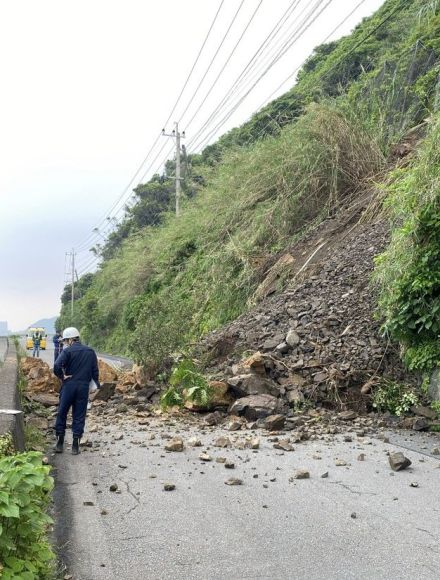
x,y
11,415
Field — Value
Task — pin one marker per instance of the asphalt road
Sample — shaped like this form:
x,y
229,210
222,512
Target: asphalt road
x,y
48,356
361,522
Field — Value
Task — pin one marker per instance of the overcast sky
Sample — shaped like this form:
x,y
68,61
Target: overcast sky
x,y
87,87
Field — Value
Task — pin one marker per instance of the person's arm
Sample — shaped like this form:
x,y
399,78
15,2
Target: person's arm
x,y
59,364
95,370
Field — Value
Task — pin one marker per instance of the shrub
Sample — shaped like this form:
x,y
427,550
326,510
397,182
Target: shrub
x,y
187,383
409,271
394,397
25,486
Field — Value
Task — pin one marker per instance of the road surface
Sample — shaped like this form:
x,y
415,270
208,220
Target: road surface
x,y
48,356
363,521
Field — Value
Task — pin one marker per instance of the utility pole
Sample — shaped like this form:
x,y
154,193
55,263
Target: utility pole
x,y
72,297
177,136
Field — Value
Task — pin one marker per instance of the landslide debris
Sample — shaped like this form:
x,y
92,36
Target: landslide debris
x,y
317,340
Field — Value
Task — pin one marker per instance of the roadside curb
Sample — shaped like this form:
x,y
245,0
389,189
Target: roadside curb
x,y
10,398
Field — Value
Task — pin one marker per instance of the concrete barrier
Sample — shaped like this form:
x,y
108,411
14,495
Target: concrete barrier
x,y
11,417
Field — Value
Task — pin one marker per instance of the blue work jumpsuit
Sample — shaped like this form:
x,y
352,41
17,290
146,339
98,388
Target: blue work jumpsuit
x,y
81,363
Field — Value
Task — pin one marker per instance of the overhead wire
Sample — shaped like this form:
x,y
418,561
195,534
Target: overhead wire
x,y
260,65
282,51
128,186
332,68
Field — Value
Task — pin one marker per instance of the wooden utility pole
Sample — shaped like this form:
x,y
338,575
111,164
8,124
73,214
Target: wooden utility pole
x,y
177,136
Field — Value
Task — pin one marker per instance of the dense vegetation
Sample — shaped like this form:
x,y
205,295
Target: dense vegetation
x,y
163,282
25,486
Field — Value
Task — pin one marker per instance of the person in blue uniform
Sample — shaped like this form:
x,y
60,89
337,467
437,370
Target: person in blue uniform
x,y
57,345
76,366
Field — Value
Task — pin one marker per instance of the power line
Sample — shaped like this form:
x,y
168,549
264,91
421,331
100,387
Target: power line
x,y
298,33
226,63
213,58
287,13
340,60
128,186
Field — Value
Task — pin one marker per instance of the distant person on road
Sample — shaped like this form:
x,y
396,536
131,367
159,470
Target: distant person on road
x,y
57,345
36,341
76,366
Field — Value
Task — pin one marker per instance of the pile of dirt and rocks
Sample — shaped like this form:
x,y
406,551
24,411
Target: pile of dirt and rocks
x,y
318,340
42,386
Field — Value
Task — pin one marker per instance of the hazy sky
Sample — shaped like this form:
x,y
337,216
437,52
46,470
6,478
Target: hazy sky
x,y
86,88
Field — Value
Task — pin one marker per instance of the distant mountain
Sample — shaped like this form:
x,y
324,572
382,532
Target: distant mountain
x,y
47,323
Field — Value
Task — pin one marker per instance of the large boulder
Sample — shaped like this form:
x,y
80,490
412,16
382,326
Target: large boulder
x,y
253,384
255,406
106,391
107,373
221,397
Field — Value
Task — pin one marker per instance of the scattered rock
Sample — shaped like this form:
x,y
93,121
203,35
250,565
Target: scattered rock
x,y
234,481
229,465
223,441
113,487
205,457
284,445
175,444
88,503
435,451
324,475
414,484
194,442
301,474
214,418
420,424
275,422
255,407
398,461
169,486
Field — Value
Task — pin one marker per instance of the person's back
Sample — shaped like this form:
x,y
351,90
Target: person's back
x,y
79,362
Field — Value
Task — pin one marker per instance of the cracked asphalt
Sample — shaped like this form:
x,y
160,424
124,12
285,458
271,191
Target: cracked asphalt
x,y
361,522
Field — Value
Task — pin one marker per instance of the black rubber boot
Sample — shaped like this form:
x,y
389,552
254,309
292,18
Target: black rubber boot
x,y
59,447
75,446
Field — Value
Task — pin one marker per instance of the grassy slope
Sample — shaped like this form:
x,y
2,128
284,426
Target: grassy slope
x,y
168,285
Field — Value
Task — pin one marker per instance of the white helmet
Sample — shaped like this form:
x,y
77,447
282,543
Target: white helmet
x,y
70,332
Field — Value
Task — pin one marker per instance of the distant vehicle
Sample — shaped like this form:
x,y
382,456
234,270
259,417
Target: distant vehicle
x,y
29,340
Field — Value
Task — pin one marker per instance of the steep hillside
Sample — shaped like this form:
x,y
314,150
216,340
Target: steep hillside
x,y
289,207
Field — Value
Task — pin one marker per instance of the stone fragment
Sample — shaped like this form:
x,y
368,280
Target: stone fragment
x,y
205,457
340,463
213,418
223,441
361,457
398,461
220,459
426,412
252,384
284,445
414,484
88,503
324,475
169,486
175,444
292,338
301,474
234,481
113,487
420,424
194,442
234,425
347,415
275,422
229,465
435,451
